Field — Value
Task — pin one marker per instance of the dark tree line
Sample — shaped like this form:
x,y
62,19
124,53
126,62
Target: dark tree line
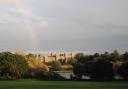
x,y
101,66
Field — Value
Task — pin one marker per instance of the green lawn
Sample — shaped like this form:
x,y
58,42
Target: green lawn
x,y
32,84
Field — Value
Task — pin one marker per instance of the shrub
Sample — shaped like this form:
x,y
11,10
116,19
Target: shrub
x,y
56,66
40,74
123,70
54,76
78,70
101,69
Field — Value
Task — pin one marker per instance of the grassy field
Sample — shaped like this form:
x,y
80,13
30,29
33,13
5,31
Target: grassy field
x,y
32,84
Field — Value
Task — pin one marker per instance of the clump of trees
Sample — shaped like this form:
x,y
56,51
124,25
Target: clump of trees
x,y
17,66
12,66
37,69
101,66
100,69
41,71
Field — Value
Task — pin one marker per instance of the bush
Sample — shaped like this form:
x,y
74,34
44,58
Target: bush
x,y
43,75
78,70
40,74
56,66
123,70
101,69
54,76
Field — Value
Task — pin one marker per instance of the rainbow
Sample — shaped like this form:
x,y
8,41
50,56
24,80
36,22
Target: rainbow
x,y
32,34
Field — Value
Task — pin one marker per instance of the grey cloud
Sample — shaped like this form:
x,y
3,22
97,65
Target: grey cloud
x,y
73,25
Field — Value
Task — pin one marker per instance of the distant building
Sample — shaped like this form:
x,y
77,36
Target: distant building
x,y
64,57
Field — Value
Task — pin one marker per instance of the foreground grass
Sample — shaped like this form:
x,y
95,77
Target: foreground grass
x,y
32,84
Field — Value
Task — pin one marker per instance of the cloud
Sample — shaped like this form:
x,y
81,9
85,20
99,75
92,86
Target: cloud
x,y
71,24
43,24
7,18
13,2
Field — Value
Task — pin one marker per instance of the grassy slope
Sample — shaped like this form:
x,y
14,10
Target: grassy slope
x,y
31,84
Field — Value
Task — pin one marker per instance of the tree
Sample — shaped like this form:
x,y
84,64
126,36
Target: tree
x,y
124,57
115,56
12,66
100,69
30,55
78,70
123,70
79,57
96,55
106,56
56,66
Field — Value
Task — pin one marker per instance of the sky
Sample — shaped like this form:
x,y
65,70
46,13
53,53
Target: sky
x,y
64,25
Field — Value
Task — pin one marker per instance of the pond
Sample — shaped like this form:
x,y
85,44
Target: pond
x,y
66,74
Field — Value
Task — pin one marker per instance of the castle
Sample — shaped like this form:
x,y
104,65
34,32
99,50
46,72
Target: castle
x,y
64,57
50,57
